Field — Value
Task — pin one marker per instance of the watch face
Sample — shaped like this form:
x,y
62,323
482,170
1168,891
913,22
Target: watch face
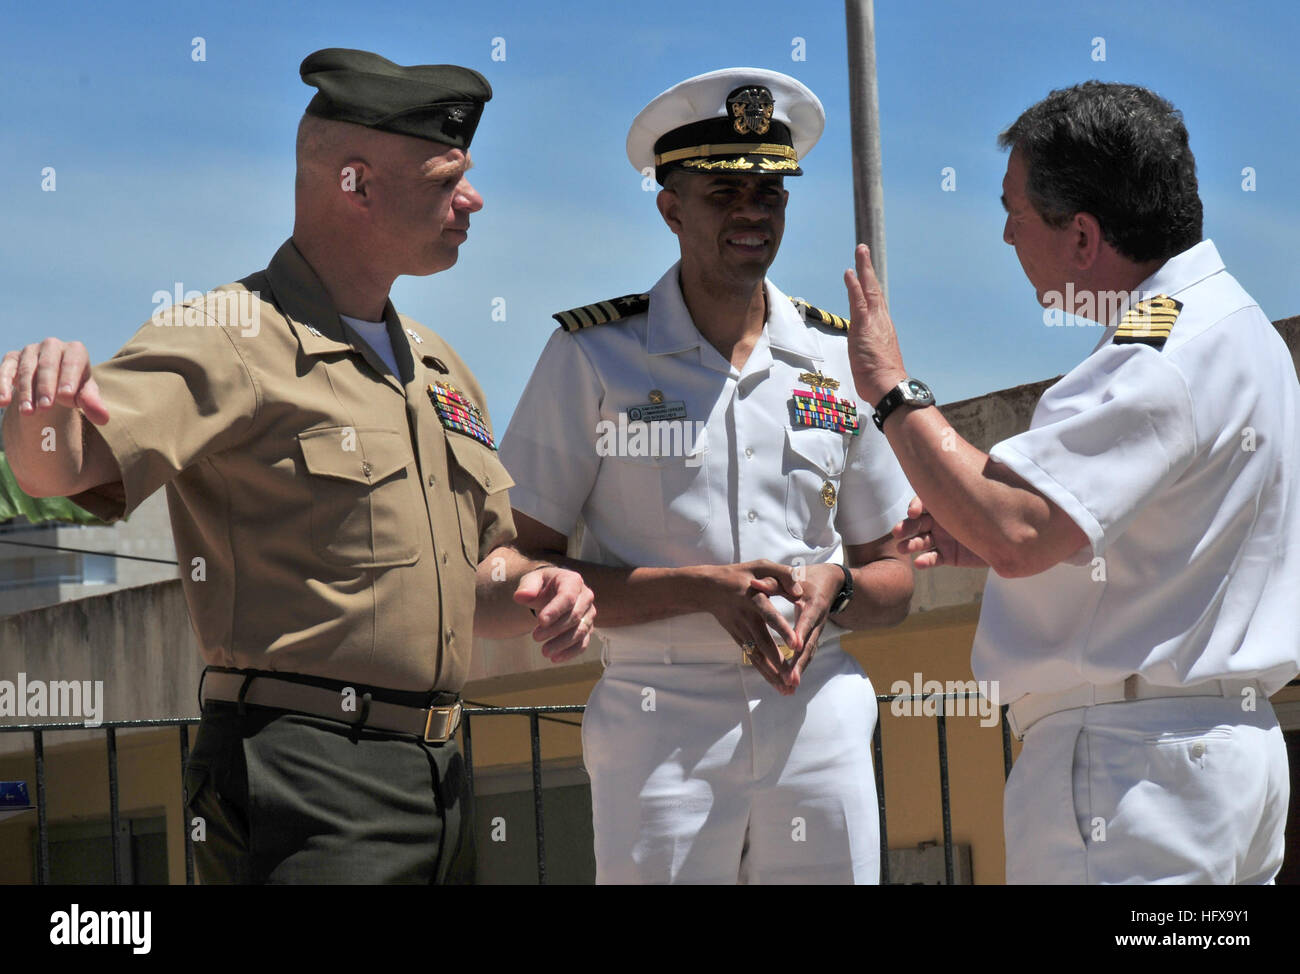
x,y
918,393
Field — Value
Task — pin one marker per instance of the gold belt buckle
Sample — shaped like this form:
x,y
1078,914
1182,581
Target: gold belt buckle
x,y
450,721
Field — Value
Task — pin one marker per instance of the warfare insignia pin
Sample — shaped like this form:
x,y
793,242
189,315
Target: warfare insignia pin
x,y
458,414
819,408
751,109
656,396
817,379
828,494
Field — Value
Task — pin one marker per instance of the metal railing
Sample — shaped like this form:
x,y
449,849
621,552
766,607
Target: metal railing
x,y
471,714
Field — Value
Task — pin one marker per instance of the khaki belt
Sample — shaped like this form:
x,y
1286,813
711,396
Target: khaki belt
x,y
434,725
1033,707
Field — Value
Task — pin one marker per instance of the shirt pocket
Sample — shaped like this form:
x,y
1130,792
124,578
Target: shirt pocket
x,y
477,474
664,496
813,462
365,511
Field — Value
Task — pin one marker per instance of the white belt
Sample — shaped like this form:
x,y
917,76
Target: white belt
x,y
1033,707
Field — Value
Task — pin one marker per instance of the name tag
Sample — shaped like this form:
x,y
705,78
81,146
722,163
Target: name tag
x,y
653,412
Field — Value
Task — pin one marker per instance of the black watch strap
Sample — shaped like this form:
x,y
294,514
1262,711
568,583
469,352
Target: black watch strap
x,y
841,601
893,399
914,392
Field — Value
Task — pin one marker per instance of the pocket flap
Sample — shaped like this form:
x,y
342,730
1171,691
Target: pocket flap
x,y
363,456
480,463
824,449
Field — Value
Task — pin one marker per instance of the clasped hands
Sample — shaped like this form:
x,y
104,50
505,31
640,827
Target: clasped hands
x,y
740,598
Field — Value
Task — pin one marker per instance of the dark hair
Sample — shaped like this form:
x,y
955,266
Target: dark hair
x,y
672,179
1118,152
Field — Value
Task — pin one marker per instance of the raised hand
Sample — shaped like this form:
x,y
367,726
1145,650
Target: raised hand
x,y
42,375
874,355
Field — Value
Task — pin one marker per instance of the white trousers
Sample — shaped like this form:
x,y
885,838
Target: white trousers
x,y
702,773
1168,790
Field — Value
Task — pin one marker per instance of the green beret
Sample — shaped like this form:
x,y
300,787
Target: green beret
x,y
438,102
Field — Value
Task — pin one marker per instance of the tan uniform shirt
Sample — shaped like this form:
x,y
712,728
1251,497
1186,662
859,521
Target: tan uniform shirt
x,y
326,522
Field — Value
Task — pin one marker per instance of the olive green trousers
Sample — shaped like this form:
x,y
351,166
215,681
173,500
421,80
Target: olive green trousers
x,y
281,797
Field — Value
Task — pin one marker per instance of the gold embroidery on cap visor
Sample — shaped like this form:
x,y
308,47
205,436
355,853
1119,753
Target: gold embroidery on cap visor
x,y
705,156
711,164
767,165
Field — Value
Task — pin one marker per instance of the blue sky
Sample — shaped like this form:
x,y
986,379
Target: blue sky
x,y
171,170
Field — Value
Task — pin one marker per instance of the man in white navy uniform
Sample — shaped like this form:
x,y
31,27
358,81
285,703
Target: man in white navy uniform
x,y
1144,532
702,435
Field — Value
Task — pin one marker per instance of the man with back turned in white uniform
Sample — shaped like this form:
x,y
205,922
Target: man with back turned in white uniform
x,y
1144,532
706,436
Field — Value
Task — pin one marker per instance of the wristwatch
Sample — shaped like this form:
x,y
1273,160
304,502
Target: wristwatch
x,y
842,600
911,392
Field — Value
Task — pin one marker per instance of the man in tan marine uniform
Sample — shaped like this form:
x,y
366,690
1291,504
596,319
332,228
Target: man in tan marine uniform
x,y
340,514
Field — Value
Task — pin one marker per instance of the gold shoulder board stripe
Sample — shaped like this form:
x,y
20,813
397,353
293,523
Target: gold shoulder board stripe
x,y
602,312
818,316
1148,322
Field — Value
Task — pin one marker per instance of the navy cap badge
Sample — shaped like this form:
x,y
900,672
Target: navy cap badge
x,y
751,109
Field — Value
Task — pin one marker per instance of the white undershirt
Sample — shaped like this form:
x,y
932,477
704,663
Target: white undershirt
x,y
375,334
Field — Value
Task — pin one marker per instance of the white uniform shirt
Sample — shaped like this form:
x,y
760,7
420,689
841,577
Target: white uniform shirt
x,y
1178,464
751,483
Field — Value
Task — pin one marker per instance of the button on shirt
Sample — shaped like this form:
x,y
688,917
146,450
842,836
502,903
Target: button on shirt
x,y
1178,464
735,479
326,522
